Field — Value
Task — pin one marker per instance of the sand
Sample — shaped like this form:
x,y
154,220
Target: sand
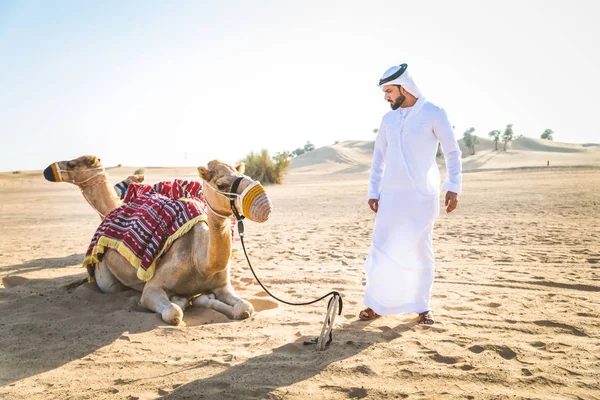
x,y
516,297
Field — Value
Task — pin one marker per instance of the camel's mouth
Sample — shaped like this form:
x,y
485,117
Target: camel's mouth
x,y
51,173
260,209
255,203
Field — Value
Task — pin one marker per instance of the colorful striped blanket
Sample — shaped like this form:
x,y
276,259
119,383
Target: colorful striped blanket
x,y
149,221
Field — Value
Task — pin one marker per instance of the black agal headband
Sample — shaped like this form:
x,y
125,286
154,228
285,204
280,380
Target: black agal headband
x,y
393,76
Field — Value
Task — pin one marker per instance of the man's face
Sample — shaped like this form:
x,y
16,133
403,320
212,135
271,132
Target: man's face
x,y
393,96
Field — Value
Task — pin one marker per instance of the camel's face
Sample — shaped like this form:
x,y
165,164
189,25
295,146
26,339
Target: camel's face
x,y
76,171
139,178
121,187
250,197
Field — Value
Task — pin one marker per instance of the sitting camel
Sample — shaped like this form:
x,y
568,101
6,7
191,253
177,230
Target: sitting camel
x,y
197,262
87,173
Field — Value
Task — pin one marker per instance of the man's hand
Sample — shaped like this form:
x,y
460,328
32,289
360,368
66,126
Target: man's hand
x,y
374,204
451,201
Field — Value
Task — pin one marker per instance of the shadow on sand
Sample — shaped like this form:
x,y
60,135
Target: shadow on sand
x,y
290,364
50,325
47,323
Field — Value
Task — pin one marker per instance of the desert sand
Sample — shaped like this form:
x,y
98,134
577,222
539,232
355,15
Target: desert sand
x,y
516,295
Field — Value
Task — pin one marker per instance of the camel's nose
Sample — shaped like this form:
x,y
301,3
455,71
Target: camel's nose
x,y
49,174
261,208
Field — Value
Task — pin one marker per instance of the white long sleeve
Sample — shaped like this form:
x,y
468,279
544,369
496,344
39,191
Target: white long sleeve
x,y
452,154
378,164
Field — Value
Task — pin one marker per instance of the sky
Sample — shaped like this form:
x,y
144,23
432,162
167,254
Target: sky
x,y
154,83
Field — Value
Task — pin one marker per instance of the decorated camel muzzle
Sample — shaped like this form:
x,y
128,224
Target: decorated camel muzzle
x,y
245,197
80,171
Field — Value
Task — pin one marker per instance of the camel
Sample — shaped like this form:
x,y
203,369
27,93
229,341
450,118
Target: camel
x,y
87,173
198,263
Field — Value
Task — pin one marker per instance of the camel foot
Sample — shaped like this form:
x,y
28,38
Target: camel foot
x,y
243,309
173,315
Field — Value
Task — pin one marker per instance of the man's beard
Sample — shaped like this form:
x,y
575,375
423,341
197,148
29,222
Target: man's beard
x,y
396,104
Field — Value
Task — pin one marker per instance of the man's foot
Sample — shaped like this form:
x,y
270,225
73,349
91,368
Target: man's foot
x,y
426,318
368,314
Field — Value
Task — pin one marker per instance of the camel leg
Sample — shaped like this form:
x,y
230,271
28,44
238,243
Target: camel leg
x,y
209,301
182,302
156,299
106,281
242,309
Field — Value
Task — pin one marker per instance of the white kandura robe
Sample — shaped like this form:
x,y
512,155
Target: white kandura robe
x,y
405,178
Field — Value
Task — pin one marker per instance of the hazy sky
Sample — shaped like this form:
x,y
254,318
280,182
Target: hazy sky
x,y
155,83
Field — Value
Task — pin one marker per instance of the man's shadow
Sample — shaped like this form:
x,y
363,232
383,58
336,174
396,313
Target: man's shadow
x,y
291,363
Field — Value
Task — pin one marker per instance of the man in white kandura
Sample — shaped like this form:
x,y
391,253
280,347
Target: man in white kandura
x,y
404,192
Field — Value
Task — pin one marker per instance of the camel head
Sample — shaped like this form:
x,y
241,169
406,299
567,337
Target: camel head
x,y
138,178
226,183
79,171
121,187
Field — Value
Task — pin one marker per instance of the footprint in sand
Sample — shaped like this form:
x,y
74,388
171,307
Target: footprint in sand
x,y
503,351
570,329
364,370
587,315
458,308
437,357
351,392
492,305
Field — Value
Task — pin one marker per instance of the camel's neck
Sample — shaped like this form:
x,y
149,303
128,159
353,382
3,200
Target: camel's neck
x,y
101,197
219,249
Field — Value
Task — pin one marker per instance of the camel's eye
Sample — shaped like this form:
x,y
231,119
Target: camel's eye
x,y
223,187
70,165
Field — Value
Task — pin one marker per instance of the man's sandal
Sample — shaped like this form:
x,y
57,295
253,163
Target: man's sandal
x,y
426,318
368,314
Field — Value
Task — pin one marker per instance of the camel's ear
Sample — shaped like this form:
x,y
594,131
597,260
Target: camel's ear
x,y
205,173
241,167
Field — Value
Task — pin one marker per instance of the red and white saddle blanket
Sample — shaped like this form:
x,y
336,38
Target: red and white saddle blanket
x,y
149,221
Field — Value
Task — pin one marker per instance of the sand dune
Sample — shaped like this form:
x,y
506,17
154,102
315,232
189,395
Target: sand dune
x,y
524,152
348,156
532,144
482,145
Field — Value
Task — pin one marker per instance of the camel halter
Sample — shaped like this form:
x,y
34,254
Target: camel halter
x,y
82,184
252,203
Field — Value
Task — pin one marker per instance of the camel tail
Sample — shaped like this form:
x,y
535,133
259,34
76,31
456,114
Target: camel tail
x,y
75,284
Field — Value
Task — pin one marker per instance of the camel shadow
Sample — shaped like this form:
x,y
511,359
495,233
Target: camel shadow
x,y
53,322
43,263
50,326
289,364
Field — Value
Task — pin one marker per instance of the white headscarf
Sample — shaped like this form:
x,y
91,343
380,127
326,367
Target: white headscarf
x,y
404,79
